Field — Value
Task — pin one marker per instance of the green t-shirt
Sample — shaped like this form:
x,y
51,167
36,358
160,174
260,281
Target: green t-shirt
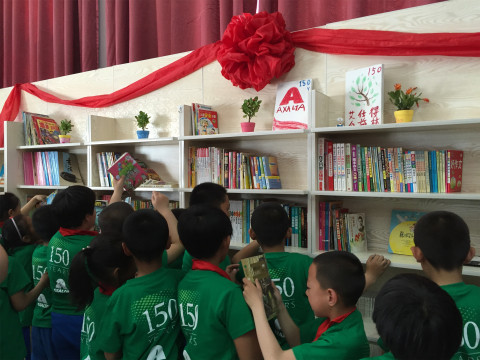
x,y
43,305
467,298
12,345
386,356
187,262
176,264
61,251
92,318
343,341
213,313
141,318
24,256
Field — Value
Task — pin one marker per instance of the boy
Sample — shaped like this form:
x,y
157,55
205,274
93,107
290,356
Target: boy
x,y
75,211
215,320
142,316
442,246
112,217
416,319
335,282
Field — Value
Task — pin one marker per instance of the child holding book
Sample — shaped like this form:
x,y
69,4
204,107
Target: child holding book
x,y
416,319
442,246
46,225
75,211
215,320
335,282
141,318
96,272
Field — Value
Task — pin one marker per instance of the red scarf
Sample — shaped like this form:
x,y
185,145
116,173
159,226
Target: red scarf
x,y
106,289
324,326
205,265
71,232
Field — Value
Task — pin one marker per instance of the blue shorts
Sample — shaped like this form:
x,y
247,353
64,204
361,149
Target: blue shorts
x,y
66,330
28,343
42,345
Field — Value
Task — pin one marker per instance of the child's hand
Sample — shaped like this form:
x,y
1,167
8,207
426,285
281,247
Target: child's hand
x,y
44,280
40,198
159,201
252,293
118,184
376,266
232,271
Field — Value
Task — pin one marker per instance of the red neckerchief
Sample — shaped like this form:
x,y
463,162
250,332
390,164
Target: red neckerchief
x,y
324,326
1,224
71,232
106,289
205,265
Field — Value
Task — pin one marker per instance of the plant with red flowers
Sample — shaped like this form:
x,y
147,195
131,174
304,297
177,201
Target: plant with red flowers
x,y
405,100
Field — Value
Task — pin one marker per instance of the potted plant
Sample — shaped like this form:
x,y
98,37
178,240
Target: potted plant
x,y
404,101
142,122
65,128
250,107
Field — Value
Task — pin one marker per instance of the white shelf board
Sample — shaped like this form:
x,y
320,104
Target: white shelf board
x,y
445,125
154,141
256,135
404,195
259,191
43,187
50,146
139,189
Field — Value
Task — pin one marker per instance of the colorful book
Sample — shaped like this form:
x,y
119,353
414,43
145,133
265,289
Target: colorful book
x,y
272,175
293,105
207,122
401,231
357,236
126,165
454,169
47,130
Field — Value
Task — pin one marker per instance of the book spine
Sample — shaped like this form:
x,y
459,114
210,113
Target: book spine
x,y
354,168
335,167
321,163
426,157
386,176
321,227
391,169
348,167
359,168
330,166
343,186
414,172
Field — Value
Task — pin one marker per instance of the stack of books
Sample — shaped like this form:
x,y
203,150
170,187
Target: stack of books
x,y
51,168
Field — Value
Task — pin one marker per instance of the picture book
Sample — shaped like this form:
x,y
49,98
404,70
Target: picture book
x,y
195,108
357,236
50,197
255,267
364,96
207,122
401,231
272,176
47,129
99,206
454,167
68,172
2,175
126,165
293,105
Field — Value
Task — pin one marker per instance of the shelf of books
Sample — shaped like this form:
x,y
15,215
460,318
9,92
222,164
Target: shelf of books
x,y
259,135
433,196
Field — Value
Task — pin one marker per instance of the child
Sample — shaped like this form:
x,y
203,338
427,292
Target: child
x,y
442,246
416,319
10,205
46,225
335,282
215,320
112,217
96,272
75,210
141,317
14,298
3,264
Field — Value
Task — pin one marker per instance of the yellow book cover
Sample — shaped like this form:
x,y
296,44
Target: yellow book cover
x,y
401,231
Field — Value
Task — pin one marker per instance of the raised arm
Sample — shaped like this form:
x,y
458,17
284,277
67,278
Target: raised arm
x,y
28,207
375,267
160,203
248,251
20,300
117,190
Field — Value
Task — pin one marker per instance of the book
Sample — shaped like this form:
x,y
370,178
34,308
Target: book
x,y
293,105
255,268
47,129
272,176
364,96
126,165
67,172
207,122
454,169
402,224
357,236
195,118
99,206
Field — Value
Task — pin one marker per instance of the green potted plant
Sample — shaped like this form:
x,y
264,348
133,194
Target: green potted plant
x,y
65,128
404,102
142,121
250,108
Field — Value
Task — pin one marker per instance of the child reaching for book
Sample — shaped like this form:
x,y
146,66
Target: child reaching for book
x,y
10,205
96,272
141,319
335,282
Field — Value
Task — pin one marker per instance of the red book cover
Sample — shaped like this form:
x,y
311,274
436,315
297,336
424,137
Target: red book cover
x,y
207,122
454,164
329,168
126,165
47,130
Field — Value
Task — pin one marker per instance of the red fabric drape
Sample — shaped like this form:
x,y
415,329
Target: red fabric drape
x,y
138,30
45,39
305,14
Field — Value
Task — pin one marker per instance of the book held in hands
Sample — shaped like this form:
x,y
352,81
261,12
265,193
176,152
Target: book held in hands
x,y
126,165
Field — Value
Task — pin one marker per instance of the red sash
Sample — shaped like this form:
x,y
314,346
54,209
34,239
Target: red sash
x,y
205,265
324,326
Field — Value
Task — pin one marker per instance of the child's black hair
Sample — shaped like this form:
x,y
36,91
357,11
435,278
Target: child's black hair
x,y
342,272
270,223
202,228
416,319
73,204
16,232
8,201
94,266
444,239
208,193
146,234
112,217
45,222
